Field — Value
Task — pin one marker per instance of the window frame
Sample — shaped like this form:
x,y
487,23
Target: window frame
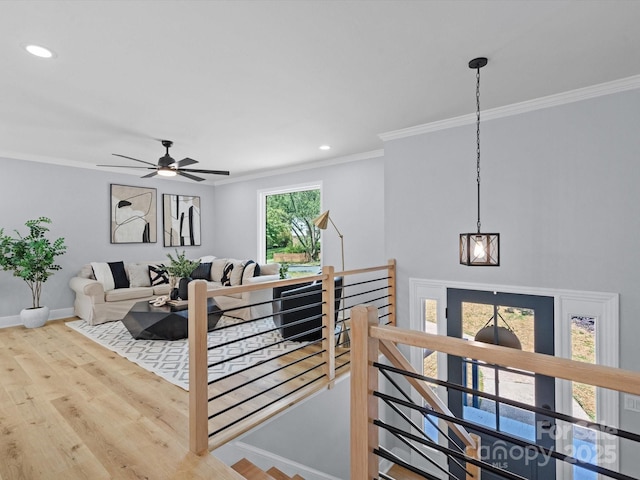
x,y
262,211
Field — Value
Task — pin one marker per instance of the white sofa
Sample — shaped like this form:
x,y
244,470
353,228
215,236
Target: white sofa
x,y
98,301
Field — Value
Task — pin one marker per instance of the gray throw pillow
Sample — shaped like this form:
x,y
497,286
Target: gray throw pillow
x,y
138,274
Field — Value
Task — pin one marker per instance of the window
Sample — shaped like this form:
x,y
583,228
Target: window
x,y
287,234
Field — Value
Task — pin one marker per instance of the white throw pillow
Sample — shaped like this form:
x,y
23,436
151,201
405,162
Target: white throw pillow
x,y
217,267
248,270
270,269
236,273
103,274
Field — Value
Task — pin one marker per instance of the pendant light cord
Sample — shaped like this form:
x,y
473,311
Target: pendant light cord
x,y
478,139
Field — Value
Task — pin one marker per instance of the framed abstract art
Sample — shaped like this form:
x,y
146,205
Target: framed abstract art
x,y
133,214
181,220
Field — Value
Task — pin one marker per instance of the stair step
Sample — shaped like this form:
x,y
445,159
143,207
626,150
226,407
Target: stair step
x,y
400,473
278,474
250,471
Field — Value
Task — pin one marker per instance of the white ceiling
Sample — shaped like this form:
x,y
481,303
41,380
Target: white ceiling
x,y
252,85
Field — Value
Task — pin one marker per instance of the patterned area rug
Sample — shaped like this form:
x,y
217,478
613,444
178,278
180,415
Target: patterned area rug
x,y
170,359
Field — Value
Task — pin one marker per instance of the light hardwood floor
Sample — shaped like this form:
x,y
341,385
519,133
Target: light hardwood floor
x,y
71,409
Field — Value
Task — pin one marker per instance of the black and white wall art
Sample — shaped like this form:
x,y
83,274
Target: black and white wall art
x,y
133,214
181,218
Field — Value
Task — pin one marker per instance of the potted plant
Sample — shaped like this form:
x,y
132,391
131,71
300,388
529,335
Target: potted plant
x,y
181,267
284,270
31,258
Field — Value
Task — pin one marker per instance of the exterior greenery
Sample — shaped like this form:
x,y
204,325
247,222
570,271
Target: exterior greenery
x,y
289,226
31,258
180,266
284,270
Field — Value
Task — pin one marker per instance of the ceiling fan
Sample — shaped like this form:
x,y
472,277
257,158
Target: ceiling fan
x,y
168,167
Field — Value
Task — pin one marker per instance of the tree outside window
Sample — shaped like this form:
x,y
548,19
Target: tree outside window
x,y
290,235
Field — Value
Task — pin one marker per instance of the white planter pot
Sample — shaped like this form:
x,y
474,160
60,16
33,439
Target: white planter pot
x,y
34,317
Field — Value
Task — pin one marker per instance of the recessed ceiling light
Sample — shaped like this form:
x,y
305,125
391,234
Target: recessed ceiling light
x,y
325,147
39,51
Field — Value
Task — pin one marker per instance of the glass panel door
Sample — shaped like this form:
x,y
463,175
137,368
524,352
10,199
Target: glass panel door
x,y
511,320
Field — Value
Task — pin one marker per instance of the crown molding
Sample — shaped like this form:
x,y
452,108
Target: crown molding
x,y
304,166
241,178
608,88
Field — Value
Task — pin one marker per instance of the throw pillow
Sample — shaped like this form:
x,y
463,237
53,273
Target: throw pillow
x,y
202,272
86,272
248,270
207,259
270,269
102,273
217,268
226,274
111,275
119,274
236,273
158,275
138,274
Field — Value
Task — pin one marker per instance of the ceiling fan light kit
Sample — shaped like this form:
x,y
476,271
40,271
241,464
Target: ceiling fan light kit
x,y
479,249
168,167
167,172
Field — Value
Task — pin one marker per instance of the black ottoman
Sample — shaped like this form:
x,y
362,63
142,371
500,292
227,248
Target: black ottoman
x,y
146,322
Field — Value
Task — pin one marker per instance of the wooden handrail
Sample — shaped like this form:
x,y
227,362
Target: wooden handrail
x,y
250,287
597,375
359,271
199,441
370,339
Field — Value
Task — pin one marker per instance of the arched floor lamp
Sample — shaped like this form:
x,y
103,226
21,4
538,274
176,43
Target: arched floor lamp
x,y
322,222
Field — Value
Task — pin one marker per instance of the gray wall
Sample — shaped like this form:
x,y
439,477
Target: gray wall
x,y
327,452
353,191
78,202
561,187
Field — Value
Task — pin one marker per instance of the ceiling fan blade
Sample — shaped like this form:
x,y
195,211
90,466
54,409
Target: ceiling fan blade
x,y
134,159
149,175
185,161
213,172
192,177
127,166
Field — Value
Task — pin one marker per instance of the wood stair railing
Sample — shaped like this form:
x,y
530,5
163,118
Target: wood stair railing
x,y
251,471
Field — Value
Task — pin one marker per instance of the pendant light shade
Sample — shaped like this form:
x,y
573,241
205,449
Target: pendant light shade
x,y
495,334
479,249
498,336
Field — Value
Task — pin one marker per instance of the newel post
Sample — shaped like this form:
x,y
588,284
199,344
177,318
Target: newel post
x,y
198,389
364,406
473,471
328,322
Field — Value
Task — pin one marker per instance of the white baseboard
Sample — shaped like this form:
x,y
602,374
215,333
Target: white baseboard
x,y
234,451
14,320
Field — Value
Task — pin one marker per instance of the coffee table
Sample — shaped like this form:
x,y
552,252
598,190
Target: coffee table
x,y
146,322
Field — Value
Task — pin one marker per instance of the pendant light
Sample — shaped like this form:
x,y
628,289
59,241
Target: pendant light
x,y
479,249
495,334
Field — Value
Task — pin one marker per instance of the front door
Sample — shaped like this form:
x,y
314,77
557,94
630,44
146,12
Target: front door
x,y
530,318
